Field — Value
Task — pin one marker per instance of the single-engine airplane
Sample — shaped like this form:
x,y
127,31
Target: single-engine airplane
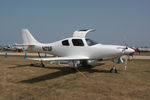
x,y
77,49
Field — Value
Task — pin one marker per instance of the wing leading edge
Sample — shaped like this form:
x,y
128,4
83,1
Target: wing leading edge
x,y
59,58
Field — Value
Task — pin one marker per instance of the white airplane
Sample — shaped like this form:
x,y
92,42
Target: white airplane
x,y
77,49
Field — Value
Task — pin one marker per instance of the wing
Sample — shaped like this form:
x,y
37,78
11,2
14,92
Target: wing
x,y
59,58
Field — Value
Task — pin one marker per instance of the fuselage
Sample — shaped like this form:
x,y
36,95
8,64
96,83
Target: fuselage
x,y
75,47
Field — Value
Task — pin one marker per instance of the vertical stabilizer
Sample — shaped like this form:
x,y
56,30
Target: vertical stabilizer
x,y
28,38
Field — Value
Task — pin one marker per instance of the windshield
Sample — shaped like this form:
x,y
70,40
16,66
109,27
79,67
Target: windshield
x,y
90,42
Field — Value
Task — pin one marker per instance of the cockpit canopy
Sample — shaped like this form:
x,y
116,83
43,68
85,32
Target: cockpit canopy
x,y
82,33
90,42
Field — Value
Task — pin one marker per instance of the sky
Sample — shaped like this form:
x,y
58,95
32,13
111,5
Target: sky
x,y
115,21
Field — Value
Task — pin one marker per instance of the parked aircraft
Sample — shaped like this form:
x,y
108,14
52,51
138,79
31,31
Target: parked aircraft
x,y
77,49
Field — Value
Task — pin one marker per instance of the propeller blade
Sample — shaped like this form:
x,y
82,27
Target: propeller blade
x,y
126,62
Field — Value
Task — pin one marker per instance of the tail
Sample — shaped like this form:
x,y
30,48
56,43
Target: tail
x,y
28,39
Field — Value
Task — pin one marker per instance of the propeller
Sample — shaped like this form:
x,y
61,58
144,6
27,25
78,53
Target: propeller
x,y
127,52
127,58
126,46
126,62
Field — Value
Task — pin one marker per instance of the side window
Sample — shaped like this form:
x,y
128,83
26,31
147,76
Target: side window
x,y
77,42
65,43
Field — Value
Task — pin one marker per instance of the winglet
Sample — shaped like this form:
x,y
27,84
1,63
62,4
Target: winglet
x,y
82,33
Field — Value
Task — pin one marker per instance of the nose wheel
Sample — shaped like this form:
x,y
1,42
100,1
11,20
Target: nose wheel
x,y
113,69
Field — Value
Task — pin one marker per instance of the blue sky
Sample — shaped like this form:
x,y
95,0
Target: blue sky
x,y
115,21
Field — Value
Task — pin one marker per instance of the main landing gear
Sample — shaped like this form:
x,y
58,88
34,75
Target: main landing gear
x,y
113,69
42,64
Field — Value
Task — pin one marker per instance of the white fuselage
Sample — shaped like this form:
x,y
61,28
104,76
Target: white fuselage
x,y
80,47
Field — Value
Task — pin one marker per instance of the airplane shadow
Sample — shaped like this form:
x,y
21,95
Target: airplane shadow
x,y
49,76
19,66
62,72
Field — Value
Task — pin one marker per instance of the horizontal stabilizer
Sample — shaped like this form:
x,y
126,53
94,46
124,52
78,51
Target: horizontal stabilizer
x,y
23,44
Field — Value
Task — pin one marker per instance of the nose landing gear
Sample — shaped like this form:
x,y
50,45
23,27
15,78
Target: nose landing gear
x,y
113,69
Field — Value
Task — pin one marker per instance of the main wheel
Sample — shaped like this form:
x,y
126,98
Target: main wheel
x,y
112,70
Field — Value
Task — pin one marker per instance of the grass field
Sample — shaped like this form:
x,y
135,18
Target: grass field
x,y
142,54
20,81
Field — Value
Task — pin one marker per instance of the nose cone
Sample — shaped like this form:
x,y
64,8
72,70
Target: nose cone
x,y
116,52
129,51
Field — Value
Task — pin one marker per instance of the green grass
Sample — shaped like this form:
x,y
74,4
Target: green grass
x,y
19,81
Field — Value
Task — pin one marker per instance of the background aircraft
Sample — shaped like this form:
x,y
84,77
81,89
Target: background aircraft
x,y
78,49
